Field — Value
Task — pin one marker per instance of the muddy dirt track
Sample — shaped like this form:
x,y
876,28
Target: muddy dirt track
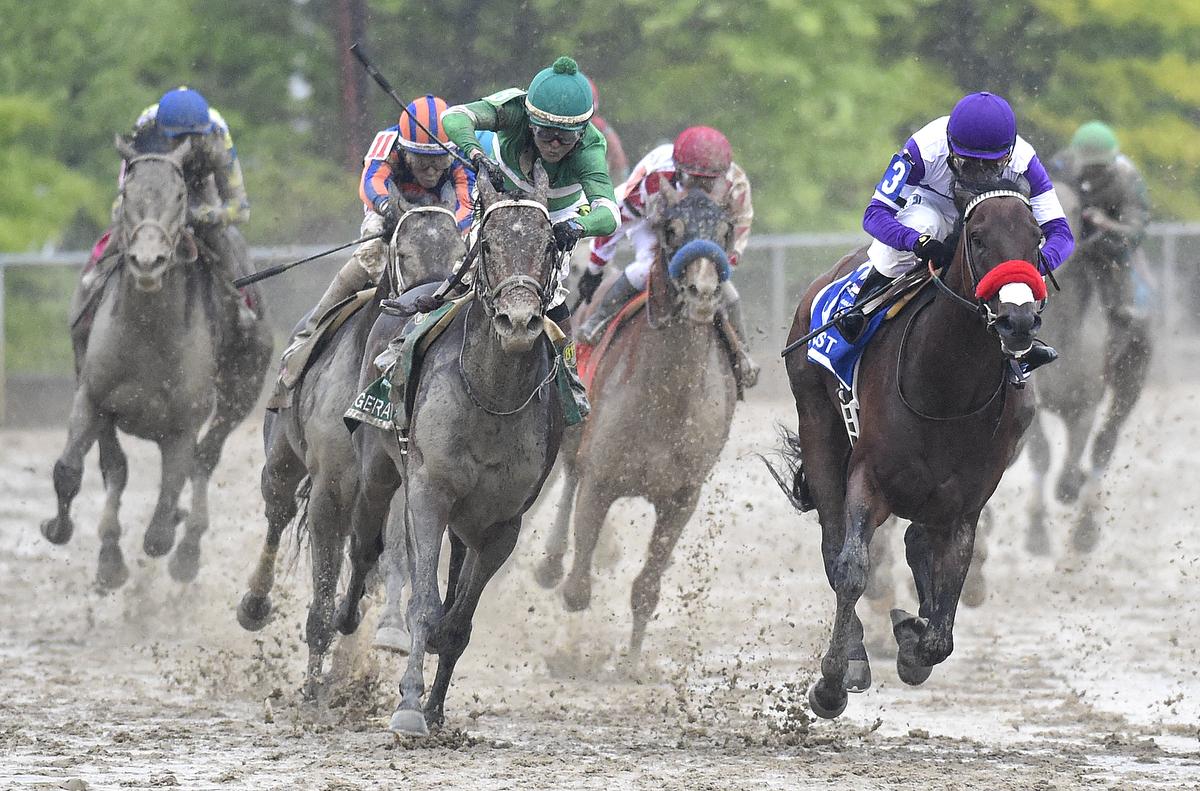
x,y
1076,672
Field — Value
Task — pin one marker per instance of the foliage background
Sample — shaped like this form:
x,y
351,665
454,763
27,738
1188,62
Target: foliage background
x,y
814,94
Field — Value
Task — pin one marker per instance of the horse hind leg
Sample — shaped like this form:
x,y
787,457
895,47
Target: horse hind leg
x,y
671,516
111,573
281,475
68,469
1037,539
178,459
327,514
392,632
974,591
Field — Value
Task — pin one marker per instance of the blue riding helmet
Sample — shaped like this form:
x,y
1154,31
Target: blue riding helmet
x,y
183,111
982,126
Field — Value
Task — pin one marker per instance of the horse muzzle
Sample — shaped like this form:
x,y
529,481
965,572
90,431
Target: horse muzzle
x,y
1016,325
518,321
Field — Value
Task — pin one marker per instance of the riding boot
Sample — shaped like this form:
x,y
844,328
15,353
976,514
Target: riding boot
x,y
349,280
231,262
853,323
615,298
577,389
748,369
1038,355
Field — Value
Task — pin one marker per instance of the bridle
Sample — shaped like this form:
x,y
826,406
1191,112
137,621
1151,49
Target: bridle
x,y
127,235
543,289
397,277
982,308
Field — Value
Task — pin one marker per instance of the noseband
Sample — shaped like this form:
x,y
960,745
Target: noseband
x,y
543,289
977,306
398,282
127,235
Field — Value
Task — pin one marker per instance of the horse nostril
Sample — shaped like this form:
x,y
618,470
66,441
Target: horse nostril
x,y
504,323
534,324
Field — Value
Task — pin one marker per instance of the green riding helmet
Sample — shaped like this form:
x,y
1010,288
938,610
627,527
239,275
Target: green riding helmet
x,y
560,96
1095,144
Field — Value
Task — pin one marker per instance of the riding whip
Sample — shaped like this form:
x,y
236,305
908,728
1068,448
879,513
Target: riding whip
x,y
271,271
382,82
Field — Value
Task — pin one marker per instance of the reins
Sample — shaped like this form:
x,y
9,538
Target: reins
x,y
489,293
462,372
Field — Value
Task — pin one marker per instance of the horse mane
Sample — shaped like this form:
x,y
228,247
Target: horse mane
x,y
149,139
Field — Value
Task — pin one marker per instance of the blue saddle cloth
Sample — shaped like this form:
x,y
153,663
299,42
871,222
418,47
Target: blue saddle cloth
x,y
829,349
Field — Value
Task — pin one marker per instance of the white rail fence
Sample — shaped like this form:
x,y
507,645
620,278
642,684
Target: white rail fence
x,y
777,269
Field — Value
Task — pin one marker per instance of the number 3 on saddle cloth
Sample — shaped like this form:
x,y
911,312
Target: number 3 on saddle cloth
x,y
832,351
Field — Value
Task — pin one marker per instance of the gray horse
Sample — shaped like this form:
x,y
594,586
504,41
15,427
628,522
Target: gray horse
x,y
151,368
668,369
1087,371
484,432
309,440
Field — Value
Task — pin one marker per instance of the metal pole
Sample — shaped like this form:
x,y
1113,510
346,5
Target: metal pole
x,y
3,372
1170,280
778,291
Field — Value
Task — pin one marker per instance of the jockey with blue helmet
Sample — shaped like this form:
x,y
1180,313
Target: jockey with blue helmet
x,y
216,202
913,211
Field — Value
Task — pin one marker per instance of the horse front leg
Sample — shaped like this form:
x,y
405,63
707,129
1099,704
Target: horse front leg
x,y
178,458
550,571
591,508
68,470
426,515
392,632
940,557
114,466
1037,539
453,632
848,565
671,516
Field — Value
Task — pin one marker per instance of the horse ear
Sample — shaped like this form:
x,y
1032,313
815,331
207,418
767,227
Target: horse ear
x,y
541,183
483,186
182,151
667,189
397,199
125,148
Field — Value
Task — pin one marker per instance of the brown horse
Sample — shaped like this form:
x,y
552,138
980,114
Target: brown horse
x,y
940,421
664,393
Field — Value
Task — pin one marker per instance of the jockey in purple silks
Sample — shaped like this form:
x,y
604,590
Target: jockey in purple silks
x,y
913,212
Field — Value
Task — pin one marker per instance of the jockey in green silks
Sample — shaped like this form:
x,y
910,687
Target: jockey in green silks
x,y
550,121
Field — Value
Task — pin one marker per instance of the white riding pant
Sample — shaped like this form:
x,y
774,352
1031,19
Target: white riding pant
x,y
645,243
921,215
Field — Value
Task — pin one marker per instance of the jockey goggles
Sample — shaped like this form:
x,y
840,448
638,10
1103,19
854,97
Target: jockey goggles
x,y
421,161
547,134
978,170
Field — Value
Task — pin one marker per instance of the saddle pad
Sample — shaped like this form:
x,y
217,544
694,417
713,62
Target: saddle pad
x,y
589,356
829,349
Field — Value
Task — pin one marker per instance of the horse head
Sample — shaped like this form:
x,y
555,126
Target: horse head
x,y
998,253
515,275
693,234
151,223
426,239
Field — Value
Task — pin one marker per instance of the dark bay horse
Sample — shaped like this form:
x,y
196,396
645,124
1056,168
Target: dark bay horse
x,y
151,367
1094,387
663,394
483,435
309,440
940,421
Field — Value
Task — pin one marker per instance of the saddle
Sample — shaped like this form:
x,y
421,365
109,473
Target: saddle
x,y
298,362
387,403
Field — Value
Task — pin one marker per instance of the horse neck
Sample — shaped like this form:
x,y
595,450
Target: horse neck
x,y
171,307
503,378
957,341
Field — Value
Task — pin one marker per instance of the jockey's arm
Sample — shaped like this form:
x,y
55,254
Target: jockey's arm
x,y
227,172
461,121
1134,213
1048,212
904,173
373,184
591,166
742,210
464,182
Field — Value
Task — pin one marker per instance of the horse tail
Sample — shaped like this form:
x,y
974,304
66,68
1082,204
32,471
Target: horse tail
x,y
299,522
788,473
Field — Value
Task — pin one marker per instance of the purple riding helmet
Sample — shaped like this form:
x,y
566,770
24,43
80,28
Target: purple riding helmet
x,y
982,131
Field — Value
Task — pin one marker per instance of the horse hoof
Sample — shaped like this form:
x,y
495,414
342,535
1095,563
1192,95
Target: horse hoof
x,y
408,722
908,629
185,563
1086,535
346,619
58,531
577,598
826,709
1070,483
549,572
393,638
112,572
974,592
858,676
253,612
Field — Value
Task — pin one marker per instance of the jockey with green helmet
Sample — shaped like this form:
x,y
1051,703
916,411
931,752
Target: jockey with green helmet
x,y
549,121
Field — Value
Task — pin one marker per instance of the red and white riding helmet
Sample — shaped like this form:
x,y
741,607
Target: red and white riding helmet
x,y
702,151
